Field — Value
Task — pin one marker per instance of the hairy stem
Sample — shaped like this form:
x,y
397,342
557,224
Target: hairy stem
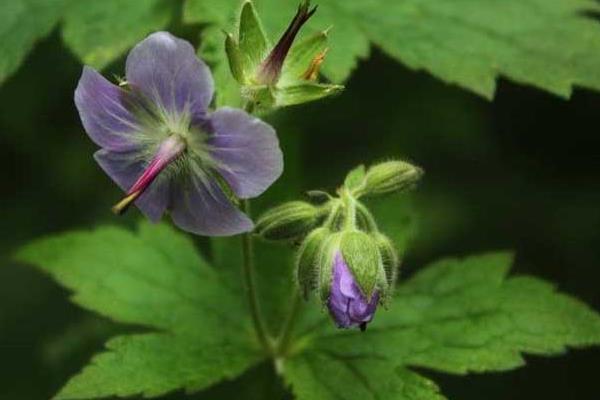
x,y
287,330
251,288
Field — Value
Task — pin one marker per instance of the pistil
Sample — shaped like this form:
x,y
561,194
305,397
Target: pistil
x,y
168,151
270,70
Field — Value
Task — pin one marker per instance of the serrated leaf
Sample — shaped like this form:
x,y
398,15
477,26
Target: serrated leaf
x,y
101,31
155,364
327,376
154,278
549,44
22,23
466,315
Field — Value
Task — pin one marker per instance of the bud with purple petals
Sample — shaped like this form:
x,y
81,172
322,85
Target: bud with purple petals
x,y
352,279
342,254
347,304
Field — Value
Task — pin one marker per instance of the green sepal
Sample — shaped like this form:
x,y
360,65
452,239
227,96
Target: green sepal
x,y
253,42
327,254
355,178
309,253
289,221
301,56
390,260
235,58
361,254
303,92
391,177
261,96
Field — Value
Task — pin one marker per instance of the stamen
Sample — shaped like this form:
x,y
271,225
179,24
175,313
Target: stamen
x,y
271,68
124,204
168,151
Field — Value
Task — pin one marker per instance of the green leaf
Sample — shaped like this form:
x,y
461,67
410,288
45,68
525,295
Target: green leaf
x,y
154,278
22,23
101,31
466,315
155,364
549,44
328,376
355,178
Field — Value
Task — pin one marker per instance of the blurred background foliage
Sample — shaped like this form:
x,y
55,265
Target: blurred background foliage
x,y
520,172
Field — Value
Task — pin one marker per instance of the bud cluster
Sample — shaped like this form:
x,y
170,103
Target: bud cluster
x,y
342,255
280,75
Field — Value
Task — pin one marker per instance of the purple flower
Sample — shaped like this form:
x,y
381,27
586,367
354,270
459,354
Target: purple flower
x,y
162,145
347,305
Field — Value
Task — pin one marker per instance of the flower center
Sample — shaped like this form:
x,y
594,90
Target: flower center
x,y
168,151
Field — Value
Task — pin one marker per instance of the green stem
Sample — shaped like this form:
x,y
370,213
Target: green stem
x,y
287,330
251,288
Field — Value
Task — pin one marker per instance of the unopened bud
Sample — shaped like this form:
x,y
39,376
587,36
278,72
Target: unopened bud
x,y
288,221
390,177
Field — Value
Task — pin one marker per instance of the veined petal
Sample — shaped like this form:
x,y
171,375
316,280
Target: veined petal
x,y
106,112
166,70
246,150
201,207
125,168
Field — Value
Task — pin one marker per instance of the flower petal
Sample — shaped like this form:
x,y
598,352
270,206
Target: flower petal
x,y
166,70
346,303
247,151
200,206
125,168
105,111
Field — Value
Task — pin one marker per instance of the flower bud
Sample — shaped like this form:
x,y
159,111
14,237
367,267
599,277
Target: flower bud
x,y
307,261
347,303
289,221
391,176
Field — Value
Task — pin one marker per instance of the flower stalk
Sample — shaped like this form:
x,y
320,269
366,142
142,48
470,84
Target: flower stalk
x,y
251,288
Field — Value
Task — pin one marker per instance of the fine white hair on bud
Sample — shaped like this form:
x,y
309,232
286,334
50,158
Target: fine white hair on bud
x,y
390,177
342,255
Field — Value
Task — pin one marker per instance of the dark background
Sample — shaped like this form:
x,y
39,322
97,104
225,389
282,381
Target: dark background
x,y
521,172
